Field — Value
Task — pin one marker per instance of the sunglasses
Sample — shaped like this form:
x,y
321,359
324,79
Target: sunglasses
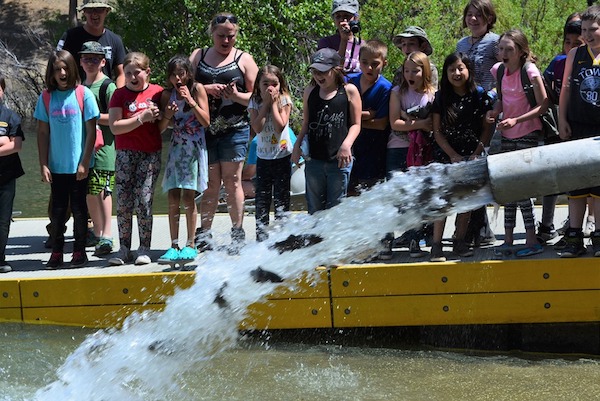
x,y
91,60
221,19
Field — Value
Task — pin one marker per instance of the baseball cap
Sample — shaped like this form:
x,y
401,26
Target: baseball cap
x,y
414,32
349,6
95,4
325,59
92,47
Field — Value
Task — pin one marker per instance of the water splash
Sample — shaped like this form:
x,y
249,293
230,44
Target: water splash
x,y
142,360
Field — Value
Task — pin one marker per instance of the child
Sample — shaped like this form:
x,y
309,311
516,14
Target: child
x,y
461,132
415,91
331,121
133,116
11,139
102,176
370,146
553,76
344,41
579,117
270,107
413,39
479,16
185,105
66,135
520,126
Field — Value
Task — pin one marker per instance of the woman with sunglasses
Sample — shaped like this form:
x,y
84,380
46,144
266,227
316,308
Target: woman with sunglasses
x,y
228,75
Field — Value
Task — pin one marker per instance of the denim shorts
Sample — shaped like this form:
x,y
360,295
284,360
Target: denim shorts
x,y
231,147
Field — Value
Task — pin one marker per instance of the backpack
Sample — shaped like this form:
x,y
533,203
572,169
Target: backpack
x,y
102,95
549,118
79,93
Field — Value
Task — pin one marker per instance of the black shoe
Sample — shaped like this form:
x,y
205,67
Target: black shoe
x,y
79,259
203,240
546,233
56,260
461,249
238,240
574,246
437,253
414,250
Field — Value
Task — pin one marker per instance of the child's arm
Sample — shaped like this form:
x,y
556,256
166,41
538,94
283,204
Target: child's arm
x,y
401,121
258,117
542,105
564,128
43,141
344,155
201,110
119,125
297,152
369,121
281,114
168,110
491,115
440,138
88,150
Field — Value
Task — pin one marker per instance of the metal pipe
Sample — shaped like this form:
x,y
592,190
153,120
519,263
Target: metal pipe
x,y
545,170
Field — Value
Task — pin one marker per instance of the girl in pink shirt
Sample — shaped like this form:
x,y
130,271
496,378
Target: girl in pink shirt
x,y
520,126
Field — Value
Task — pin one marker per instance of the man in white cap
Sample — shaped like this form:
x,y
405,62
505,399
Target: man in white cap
x,y
95,12
347,44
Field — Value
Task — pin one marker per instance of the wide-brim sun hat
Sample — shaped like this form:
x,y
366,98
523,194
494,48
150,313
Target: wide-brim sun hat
x,y
95,4
414,32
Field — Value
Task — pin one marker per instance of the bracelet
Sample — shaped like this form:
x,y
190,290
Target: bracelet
x,y
167,118
139,118
193,106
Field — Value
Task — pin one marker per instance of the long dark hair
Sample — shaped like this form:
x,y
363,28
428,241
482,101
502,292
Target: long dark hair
x,y
71,67
449,112
180,61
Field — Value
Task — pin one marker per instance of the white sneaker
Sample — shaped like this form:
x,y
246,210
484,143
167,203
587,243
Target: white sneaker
x,y
589,227
143,257
122,257
5,267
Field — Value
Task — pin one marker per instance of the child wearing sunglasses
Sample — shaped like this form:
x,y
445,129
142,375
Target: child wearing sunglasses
x,y
102,176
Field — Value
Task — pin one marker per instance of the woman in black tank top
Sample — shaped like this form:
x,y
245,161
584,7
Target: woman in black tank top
x,y
228,74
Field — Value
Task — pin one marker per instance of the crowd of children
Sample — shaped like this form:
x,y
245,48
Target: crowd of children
x,y
357,128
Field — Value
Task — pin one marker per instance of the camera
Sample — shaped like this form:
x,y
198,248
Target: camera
x,y
420,112
354,26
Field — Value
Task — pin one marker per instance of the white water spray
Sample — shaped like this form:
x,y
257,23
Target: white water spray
x,y
121,365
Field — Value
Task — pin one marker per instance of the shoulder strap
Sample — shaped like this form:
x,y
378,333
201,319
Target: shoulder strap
x,y
102,95
80,93
203,54
499,75
238,57
527,87
46,98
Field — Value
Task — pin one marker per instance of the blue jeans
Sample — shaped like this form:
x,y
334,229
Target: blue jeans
x,y
7,196
326,184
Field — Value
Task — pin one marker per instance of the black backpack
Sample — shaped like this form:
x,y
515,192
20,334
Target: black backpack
x,y
102,95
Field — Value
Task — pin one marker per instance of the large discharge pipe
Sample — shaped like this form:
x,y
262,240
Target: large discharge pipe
x,y
545,170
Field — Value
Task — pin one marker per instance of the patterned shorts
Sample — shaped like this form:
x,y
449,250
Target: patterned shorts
x,y
101,180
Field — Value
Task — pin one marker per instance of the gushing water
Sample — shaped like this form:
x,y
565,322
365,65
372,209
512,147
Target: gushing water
x,y
143,360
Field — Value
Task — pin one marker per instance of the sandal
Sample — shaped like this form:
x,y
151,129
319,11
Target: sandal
x,y
529,251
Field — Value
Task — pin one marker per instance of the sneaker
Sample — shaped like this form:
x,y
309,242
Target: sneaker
x,y
596,243
169,256
5,267
188,253
143,257
203,240
388,243
564,227
56,260
238,238
503,250
79,259
91,239
123,257
589,227
415,250
546,233
461,249
529,251
575,247
103,247
560,244
437,253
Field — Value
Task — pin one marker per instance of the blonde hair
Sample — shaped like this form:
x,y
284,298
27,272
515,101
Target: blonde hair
x,y
421,60
138,59
375,48
227,16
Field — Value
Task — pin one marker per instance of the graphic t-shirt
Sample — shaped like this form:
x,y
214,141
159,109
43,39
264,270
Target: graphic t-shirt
x,y
272,144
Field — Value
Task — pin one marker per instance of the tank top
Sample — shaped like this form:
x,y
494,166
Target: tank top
x,y
584,100
328,123
226,116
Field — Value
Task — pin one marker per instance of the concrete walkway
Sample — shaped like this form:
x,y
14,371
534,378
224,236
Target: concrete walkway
x,y
27,255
